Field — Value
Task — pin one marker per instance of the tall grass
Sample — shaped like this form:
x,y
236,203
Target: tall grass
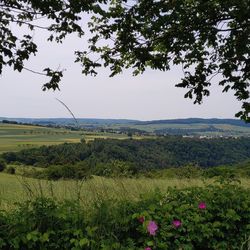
x,y
15,189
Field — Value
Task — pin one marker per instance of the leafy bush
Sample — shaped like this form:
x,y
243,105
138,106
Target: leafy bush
x,y
189,171
2,165
10,170
114,168
195,218
214,217
64,172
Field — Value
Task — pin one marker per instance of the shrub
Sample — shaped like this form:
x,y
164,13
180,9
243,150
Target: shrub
x,y
188,171
10,170
198,218
64,172
2,165
115,168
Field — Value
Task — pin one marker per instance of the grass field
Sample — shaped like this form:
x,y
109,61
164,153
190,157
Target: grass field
x,y
14,188
16,137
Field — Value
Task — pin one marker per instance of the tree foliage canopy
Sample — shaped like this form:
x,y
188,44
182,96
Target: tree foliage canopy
x,y
62,17
210,39
142,154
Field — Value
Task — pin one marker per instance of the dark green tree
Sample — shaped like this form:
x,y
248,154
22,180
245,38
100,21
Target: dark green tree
x,y
210,39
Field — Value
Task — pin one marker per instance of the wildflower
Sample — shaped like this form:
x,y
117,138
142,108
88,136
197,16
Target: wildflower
x,y
152,227
176,223
202,205
141,219
148,248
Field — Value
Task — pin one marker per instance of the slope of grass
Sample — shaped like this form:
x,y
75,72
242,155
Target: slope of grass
x,y
16,137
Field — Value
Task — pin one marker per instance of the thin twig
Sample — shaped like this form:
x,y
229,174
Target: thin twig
x,y
68,110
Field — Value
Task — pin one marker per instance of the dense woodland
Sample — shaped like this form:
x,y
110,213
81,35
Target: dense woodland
x,y
186,131
104,156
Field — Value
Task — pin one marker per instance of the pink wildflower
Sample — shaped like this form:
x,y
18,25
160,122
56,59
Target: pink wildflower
x,y
202,205
148,248
152,227
176,223
141,219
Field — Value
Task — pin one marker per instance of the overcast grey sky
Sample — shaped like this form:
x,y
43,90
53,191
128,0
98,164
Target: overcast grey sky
x,y
146,97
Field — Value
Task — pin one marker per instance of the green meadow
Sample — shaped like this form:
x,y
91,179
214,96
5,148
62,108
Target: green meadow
x,y
15,188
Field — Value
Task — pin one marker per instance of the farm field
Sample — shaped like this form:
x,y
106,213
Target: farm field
x,y
16,137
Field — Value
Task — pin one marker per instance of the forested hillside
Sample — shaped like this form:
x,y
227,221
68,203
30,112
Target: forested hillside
x,y
140,154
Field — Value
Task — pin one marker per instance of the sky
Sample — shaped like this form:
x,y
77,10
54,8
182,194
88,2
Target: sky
x,y
151,96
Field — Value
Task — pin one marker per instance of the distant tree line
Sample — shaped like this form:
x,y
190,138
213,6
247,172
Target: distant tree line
x,y
9,122
21,123
186,131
